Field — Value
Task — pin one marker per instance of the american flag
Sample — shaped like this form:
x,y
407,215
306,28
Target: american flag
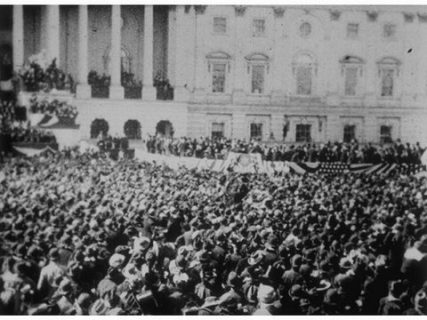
x,y
365,168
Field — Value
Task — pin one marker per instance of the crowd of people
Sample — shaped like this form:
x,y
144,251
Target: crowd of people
x,y
15,128
109,143
82,234
353,152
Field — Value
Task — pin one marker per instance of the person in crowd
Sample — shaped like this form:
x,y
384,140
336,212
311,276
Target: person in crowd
x,y
353,152
82,234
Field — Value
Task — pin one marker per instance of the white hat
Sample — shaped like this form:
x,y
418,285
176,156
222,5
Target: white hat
x,y
140,244
266,294
116,260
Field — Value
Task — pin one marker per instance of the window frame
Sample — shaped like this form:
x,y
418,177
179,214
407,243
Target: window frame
x,y
348,62
384,32
255,32
253,66
222,123
213,26
300,31
305,136
387,64
260,128
385,139
213,59
213,73
257,59
345,133
313,66
348,34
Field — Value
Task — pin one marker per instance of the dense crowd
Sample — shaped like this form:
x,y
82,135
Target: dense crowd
x,y
109,143
14,126
353,152
82,234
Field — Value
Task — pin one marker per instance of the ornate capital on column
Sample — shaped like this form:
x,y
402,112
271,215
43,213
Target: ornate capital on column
x,y
372,15
409,17
278,11
200,9
335,15
239,10
422,17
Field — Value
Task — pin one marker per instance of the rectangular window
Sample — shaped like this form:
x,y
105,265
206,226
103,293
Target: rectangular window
x,y
218,77
256,131
351,81
389,30
385,134
220,25
258,79
352,30
387,82
304,80
303,133
258,27
218,130
349,133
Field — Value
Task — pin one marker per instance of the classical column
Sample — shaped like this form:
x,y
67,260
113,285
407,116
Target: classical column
x,y
240,70
53,34
199,58
116,89
18,37
184,54
277,68
148,91
171,43
83,89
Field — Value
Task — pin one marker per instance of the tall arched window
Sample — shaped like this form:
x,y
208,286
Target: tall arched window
x,y
304,70
388,71
258,68
352,70
218,68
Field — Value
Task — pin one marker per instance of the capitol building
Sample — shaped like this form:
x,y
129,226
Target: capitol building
x,y
273,73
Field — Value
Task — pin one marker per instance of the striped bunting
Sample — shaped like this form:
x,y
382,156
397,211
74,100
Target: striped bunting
x,y
365,168
253,164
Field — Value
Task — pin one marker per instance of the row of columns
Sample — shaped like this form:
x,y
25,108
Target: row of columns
x,y
53,48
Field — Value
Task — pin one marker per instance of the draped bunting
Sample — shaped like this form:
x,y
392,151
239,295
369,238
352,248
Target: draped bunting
x,y
252,163
30,152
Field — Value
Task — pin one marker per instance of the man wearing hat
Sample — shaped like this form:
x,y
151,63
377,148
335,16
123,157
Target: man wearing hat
x,y
82,304
267,301
107,287
232,297
292,276
414,265
392,305
64,297
50,273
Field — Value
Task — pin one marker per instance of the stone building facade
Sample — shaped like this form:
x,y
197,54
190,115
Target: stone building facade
x,y
283,73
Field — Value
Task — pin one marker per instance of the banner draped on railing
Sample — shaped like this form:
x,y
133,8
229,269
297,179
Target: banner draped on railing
x,y
253,163
30,152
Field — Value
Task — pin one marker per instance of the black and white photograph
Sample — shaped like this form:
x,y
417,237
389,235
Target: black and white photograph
x,y
213,159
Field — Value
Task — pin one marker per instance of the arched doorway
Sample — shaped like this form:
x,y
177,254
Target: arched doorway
x,y
98,126
165,128
132,129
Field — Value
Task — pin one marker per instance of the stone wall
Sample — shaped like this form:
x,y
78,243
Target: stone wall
x,y
116,113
